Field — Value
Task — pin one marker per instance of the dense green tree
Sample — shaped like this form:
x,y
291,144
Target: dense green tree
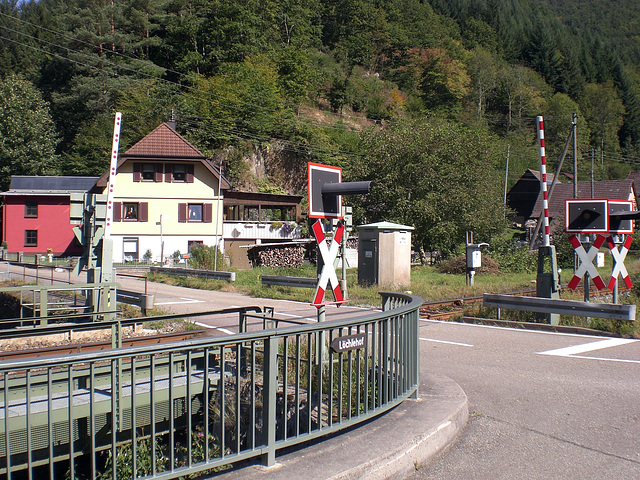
x,y
521,95
603,111
27,133
484,70
423,173
558,117
294,74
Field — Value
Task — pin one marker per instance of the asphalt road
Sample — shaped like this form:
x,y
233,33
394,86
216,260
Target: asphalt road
x,y
542,405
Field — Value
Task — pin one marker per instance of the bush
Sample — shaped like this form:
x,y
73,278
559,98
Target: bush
x,y
511,257
204,257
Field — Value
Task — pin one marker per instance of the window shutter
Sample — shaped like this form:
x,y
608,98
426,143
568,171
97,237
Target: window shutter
x,y
143,212
168,170
117,210
207,213
182,212
189,174
136,172
158,175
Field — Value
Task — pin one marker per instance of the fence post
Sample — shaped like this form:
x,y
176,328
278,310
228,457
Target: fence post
x,y
44,304
269,400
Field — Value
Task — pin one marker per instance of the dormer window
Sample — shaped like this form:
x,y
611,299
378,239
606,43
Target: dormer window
x,y
179,173
148,172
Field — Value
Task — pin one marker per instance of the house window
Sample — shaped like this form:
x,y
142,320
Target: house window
x,y
148,172
130,249
195,212
130,211
179,173
31,210
30,238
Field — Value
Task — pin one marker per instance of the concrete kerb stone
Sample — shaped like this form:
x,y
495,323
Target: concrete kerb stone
x,y
391,446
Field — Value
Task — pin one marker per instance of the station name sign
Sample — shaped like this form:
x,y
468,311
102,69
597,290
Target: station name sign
x,y
349,342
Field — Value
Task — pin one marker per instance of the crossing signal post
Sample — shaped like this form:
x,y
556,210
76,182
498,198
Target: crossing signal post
x,y
611,220
325,202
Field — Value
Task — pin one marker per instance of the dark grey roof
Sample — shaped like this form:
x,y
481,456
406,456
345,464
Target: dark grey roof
x,y
610,189
46,184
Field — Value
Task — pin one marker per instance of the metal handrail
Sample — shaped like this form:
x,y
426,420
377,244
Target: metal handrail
x,y
204,403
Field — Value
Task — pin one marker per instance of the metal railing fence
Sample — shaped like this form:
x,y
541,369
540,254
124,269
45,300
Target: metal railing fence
x,y
167,411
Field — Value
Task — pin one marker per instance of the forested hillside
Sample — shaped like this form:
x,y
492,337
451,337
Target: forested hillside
x,y
428,96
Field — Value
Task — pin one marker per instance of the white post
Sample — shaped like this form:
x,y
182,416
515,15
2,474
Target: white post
x,y
112,174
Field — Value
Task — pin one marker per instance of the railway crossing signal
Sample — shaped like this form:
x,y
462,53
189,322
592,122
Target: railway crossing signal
x,y
325,201
602,216
586,262
328,273
618,262
586,216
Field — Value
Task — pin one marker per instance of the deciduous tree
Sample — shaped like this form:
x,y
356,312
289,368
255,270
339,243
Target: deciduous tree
x,y
434,176
27,134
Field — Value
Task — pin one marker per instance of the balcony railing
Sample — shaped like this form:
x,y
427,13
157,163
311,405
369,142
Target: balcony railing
x,y
261,230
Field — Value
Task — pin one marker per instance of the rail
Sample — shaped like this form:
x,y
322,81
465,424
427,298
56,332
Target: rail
x,y
186,408
192,272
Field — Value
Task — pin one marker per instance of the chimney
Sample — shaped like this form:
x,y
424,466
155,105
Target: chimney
x,y
172,120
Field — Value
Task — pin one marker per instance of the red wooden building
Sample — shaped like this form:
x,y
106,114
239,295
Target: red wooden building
x,y
35,214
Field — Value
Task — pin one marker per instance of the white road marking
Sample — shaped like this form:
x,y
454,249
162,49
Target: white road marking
x,y
184,300
621,360
222,329
296,316
203,325
443,341
575,350
587,347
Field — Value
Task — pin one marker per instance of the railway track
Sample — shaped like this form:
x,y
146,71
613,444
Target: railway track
x,y
67,349
445,309
434,310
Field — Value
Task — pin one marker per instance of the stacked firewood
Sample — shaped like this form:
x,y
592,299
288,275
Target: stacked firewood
x,y
277,256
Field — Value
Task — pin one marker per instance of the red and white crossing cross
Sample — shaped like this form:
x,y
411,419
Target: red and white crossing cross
x,y
586,262
618,262
329,254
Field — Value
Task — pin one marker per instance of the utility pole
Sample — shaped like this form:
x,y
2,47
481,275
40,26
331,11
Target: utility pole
x,y
574,124
506,175
593,153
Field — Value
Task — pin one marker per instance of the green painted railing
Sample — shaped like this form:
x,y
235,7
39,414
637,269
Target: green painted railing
x,y
166,411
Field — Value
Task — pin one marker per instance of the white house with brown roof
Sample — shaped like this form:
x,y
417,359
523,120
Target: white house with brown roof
x,y
167,198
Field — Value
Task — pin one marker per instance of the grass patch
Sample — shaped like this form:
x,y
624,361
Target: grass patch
x,y
428,283
425,282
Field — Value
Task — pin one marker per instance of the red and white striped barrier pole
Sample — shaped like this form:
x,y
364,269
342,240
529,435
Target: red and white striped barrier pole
x,y
543,173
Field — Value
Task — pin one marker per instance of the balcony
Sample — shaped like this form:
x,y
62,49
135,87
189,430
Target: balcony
x,y
276,230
